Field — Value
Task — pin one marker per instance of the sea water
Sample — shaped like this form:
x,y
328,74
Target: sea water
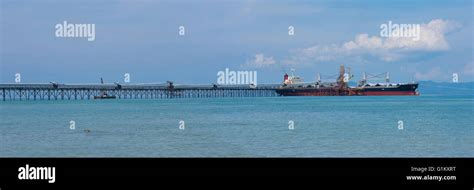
x,y
392,126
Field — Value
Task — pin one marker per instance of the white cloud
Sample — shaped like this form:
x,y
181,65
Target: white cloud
x,y
260,61
432,74
432,39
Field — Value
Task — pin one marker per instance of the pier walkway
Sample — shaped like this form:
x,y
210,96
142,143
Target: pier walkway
x,y
53,91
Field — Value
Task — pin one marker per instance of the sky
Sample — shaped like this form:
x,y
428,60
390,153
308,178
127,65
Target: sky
x,y
140,37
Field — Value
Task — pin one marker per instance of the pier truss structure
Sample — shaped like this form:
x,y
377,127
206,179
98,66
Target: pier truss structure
x,y
53,91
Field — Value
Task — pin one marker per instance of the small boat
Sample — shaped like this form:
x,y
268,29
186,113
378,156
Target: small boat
x,y
103,93
104,97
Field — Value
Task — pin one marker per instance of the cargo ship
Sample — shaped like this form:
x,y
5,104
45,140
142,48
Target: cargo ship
x,y
294,86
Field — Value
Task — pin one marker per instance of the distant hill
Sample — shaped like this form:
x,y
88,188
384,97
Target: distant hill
x,y
445,88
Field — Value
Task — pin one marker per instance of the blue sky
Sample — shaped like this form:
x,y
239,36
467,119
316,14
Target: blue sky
x,y
141,38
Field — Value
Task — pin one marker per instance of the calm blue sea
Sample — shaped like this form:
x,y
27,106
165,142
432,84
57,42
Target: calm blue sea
x,y
433,126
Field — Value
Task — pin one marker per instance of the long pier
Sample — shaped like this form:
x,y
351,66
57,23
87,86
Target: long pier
x,y
53,91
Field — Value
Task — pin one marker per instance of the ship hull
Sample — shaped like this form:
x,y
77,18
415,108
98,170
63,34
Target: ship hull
x,y
311,92
400,90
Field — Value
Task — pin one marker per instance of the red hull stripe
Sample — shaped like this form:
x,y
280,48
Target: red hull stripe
x,y
389,93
